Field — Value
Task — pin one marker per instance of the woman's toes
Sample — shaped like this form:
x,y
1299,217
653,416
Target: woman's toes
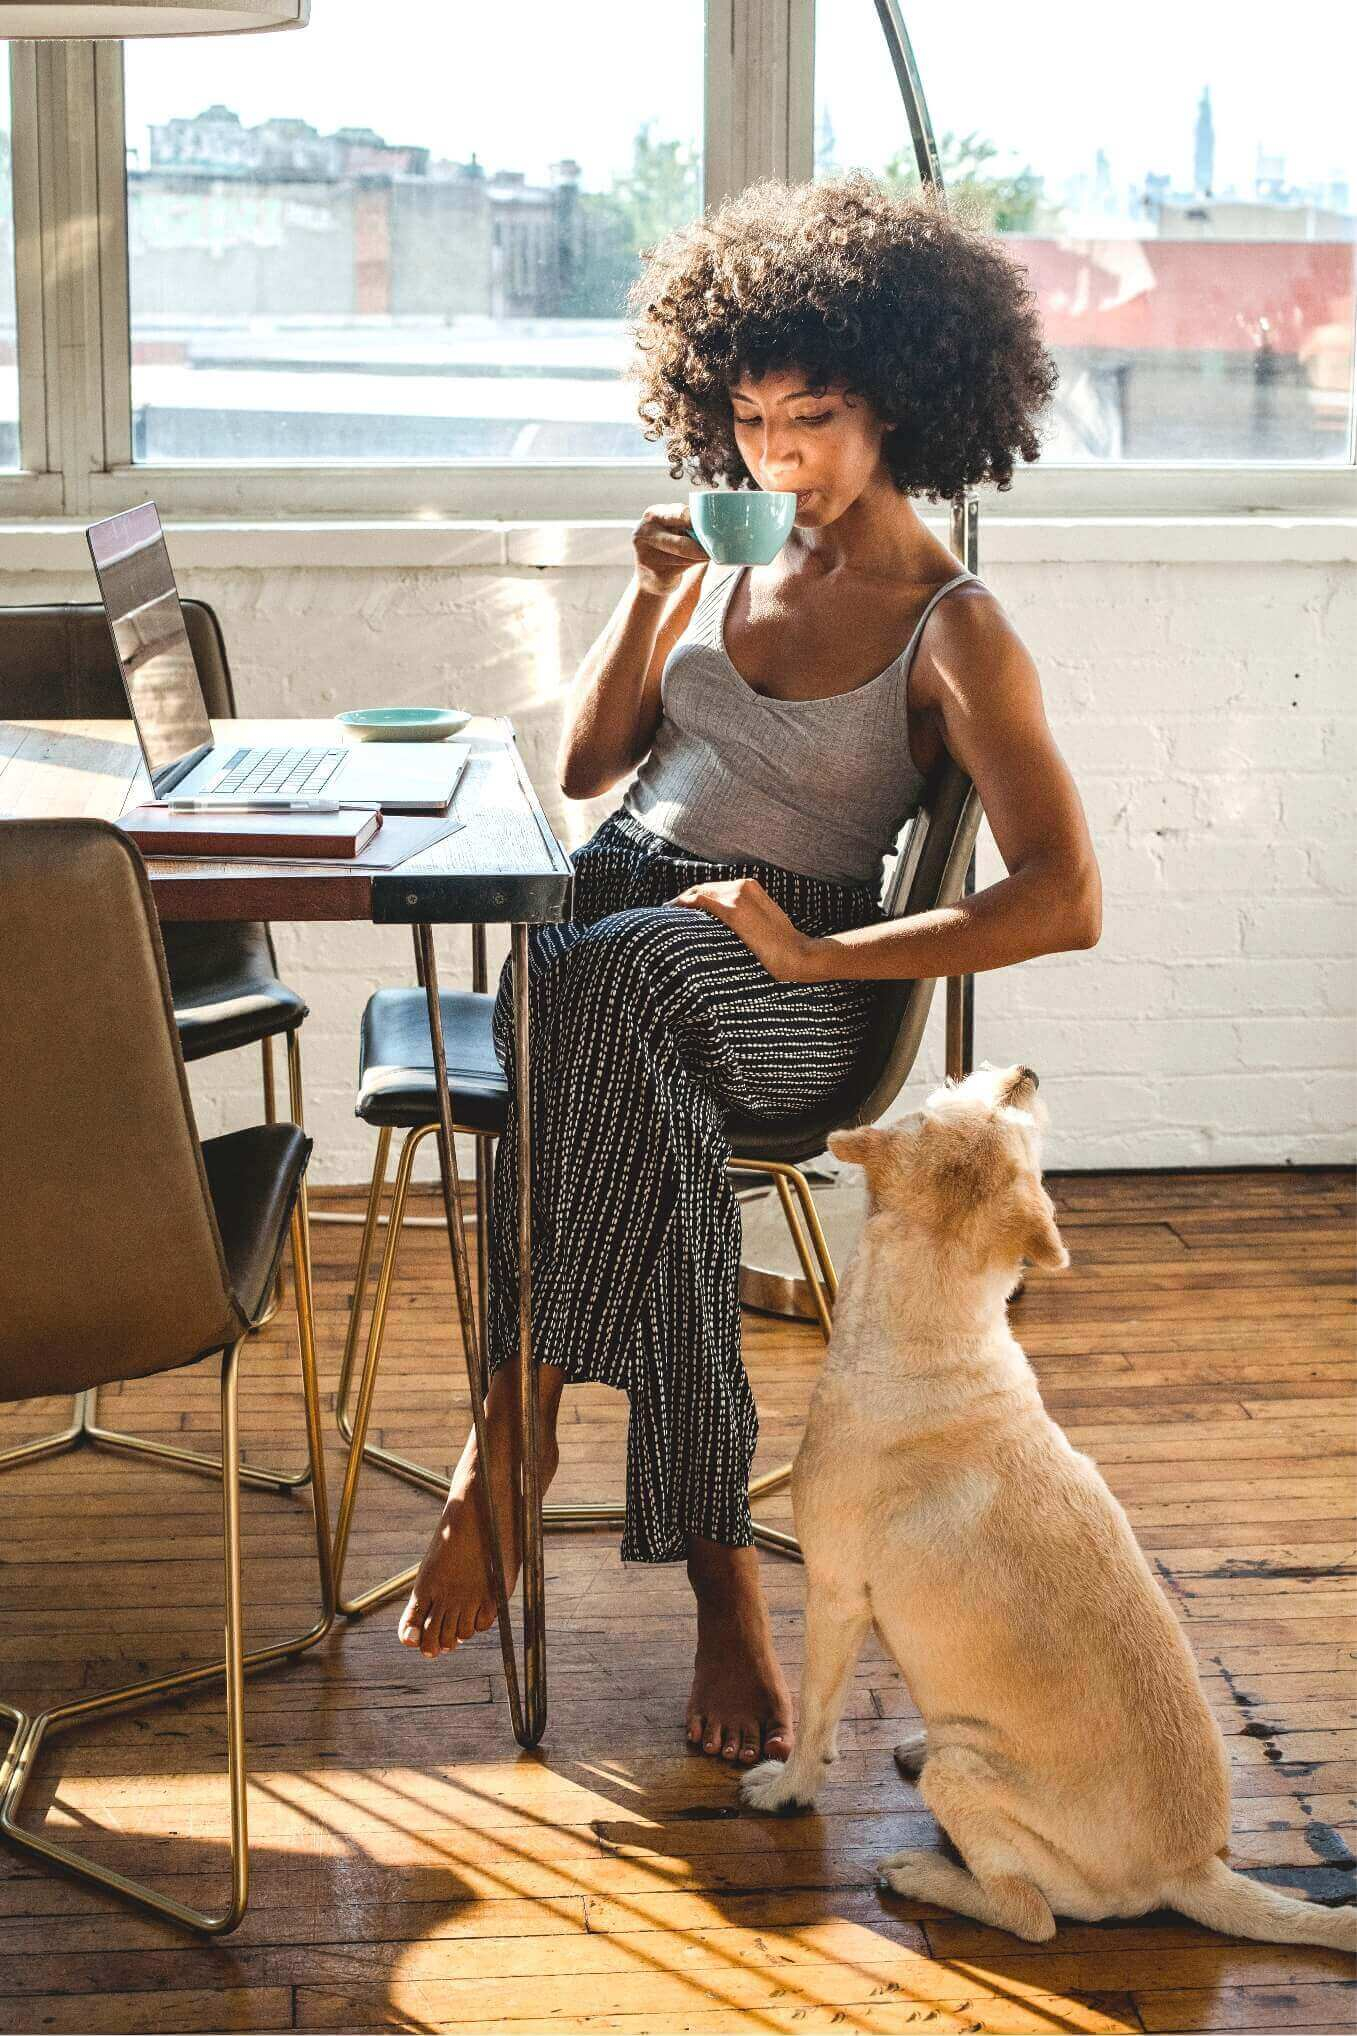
x,y
696,1725
777,1741
449,1632
749,1746
711,1738
407,1632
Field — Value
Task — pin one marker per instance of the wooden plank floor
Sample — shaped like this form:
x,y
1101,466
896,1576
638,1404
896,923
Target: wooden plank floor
x,y
413,1870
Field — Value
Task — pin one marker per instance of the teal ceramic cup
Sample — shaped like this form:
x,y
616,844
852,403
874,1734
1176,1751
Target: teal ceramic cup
x,y
739,527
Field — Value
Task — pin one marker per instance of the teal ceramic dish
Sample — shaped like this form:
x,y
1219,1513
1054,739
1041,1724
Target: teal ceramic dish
x,y
402,724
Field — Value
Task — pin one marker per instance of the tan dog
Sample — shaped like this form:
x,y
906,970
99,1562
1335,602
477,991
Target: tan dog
x,y
1068,1752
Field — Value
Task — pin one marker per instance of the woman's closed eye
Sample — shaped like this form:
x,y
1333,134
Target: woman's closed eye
x,y
823,417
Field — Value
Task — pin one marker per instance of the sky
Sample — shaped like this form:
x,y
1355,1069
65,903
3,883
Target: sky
x,y
521,82
1054,80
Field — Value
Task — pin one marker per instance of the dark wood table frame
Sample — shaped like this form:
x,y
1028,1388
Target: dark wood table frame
x,y
499,863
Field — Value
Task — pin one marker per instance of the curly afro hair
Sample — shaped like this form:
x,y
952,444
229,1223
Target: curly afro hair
x,y
909,306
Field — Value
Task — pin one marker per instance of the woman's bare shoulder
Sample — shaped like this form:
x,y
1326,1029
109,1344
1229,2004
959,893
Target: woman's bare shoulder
x,y
970,645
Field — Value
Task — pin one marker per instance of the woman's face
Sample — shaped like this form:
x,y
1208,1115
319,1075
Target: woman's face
x,y
822,445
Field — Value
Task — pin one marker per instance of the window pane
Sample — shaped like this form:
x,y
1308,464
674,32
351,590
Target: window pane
x,y
1183,203
399,233
9,339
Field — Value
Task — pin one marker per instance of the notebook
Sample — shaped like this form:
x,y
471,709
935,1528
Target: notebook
x,y
255,835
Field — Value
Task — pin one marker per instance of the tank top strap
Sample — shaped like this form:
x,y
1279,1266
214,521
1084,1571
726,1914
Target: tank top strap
x,y
933,600
718,582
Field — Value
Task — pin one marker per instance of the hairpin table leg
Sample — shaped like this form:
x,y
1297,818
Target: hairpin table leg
x,y
529,1718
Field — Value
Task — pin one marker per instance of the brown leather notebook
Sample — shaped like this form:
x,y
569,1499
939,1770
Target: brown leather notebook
x,y
312,836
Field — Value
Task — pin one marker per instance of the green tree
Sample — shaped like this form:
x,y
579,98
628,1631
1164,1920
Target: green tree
x,y
1004,204
664,187
661,189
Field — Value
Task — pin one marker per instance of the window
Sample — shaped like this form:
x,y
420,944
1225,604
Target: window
x,y
377,269
1182,196
422,258
9,334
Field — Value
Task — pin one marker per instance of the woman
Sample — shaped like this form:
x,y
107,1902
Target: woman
x,y
861,349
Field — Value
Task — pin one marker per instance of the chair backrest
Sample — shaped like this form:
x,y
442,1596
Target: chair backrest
x,y
929,871
58,660
111,1265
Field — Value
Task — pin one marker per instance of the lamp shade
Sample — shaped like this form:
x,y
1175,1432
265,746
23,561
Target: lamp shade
x,y
120,20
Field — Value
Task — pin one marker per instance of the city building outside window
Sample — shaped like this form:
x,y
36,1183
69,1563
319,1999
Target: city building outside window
x,y
422,259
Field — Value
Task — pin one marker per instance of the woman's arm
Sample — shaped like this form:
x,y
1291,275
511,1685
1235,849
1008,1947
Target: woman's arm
x,y
614,706
980,682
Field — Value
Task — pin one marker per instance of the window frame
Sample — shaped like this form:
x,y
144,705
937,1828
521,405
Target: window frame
x,y
34,488
75,343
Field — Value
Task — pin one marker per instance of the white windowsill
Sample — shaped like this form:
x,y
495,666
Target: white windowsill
x,y
390,543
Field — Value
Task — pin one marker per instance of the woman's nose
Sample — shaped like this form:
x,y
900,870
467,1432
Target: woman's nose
x,y
779,457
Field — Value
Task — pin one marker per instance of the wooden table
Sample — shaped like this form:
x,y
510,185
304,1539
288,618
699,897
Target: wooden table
x,y
502,865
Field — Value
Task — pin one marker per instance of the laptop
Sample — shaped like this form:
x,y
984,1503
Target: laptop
x,y
165,696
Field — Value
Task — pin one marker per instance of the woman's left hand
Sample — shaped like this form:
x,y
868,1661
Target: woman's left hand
x,y
763,926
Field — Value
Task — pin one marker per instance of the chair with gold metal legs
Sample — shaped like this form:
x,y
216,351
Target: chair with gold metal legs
x,y
396,1092
57,659
131,1249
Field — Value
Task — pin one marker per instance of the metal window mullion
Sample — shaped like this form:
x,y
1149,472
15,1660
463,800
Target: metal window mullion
x,y
68,194
799,112
718,99
760,62
28,290
114,297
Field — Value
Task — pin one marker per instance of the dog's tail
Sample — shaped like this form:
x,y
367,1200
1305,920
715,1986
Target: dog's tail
x,y
1226,1901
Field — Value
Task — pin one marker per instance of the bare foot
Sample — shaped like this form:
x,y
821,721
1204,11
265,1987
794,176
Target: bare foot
x,y
739,1707
453,1597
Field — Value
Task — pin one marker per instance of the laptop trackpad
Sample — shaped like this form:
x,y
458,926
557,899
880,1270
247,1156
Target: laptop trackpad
x,y
402,775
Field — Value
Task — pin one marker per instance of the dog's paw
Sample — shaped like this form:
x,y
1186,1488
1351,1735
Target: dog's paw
x,y
905,1873
771,1787
910,1753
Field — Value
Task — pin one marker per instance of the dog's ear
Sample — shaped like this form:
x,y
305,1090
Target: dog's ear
x,y
1034,1232
860,1146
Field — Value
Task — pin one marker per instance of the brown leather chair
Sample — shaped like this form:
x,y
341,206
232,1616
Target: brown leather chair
x,y
57,660
130,1249
396,1092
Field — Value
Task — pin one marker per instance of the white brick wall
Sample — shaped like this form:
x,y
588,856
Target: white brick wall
x,y
1204,707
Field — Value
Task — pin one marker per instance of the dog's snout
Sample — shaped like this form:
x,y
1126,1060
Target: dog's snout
x,y
1029,1074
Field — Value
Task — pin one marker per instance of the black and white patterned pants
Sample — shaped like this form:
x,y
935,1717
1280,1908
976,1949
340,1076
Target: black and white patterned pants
x,y
647,1022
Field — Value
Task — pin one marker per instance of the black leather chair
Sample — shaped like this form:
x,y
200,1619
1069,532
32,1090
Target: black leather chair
x,y
57,661
130,1249
396,1093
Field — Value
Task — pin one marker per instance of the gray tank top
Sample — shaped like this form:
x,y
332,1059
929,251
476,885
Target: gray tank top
x,y
821,786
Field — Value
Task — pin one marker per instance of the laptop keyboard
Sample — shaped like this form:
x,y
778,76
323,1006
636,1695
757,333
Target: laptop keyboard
x,y
292,772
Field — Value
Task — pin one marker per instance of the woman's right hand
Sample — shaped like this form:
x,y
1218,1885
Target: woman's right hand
x,y
665,547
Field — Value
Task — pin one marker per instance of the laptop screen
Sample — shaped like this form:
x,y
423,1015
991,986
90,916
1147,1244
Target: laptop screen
x,y
141,601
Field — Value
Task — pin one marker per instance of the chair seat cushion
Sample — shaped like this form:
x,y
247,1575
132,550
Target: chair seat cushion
x,y
253,1177
395,1062
225,991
